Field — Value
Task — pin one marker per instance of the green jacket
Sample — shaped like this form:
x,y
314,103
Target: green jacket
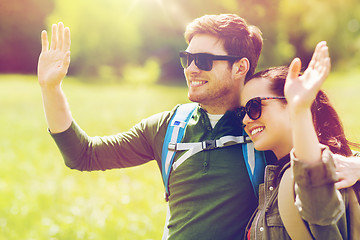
x,y
211,196
321,206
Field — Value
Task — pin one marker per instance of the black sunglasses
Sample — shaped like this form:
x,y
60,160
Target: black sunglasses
x,y
253,107
204,61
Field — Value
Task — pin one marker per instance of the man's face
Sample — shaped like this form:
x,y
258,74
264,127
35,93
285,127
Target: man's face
x,y
215,88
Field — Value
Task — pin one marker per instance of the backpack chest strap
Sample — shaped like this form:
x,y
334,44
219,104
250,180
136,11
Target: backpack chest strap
x,y
193,148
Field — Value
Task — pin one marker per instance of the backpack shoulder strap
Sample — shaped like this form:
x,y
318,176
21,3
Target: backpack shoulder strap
x,y
254,168
174,134
289,214
354,209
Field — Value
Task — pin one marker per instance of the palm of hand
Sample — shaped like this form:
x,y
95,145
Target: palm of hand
x,y
300,91
54,62
50,67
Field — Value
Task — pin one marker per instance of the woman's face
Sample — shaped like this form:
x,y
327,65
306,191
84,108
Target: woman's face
x,y
272,130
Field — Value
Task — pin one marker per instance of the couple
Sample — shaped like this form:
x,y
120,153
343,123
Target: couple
x,y
211,194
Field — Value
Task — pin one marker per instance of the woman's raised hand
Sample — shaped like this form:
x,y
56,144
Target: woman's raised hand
x,y
300,91
54,62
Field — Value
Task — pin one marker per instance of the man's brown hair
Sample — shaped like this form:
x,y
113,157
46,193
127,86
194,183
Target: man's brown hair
x,y
238,37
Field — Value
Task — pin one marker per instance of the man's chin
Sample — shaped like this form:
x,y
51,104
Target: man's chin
x,y
194,98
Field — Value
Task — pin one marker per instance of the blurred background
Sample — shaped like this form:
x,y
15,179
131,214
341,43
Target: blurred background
x,y
112,39
125,67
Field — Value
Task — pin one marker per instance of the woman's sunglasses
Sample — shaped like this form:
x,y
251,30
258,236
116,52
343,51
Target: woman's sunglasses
x,y
253,107
204,61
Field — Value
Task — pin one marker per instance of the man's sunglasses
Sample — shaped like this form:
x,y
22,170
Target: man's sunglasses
x,y
204,61
253,107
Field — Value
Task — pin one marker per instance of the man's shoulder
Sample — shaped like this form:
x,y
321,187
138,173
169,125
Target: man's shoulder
x,y
161,118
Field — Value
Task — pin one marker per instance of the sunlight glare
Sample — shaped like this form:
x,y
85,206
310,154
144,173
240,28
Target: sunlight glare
x,y
135,3
171,11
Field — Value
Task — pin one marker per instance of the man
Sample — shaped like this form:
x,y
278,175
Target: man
x,y
211,196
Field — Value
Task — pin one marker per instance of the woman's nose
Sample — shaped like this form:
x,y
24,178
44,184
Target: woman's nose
x,y
246,119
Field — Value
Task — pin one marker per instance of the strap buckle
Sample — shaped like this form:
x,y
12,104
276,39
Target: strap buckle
x,y
208,144
172,146
247,140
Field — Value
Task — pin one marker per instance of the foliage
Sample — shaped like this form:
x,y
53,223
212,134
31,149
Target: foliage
x,y
104,32
343,90
21,22
108,35
337,22
147,74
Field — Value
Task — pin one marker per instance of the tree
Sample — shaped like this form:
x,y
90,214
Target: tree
x,y
336,22
21,22
104,32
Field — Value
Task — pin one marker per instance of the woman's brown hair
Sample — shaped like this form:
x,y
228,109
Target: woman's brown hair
x,y
327,122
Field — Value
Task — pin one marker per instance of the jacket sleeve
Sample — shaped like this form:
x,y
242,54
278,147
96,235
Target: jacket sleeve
x,y
140,144
317,199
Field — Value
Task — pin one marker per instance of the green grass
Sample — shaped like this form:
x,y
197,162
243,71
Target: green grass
x,y
42,199
343,89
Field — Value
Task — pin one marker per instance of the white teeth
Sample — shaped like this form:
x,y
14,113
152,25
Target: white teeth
x,y
256,130
196,83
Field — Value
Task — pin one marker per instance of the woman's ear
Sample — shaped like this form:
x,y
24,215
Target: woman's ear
x,y
241,68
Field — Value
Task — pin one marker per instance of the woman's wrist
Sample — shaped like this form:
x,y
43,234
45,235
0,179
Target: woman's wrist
x,y
299,111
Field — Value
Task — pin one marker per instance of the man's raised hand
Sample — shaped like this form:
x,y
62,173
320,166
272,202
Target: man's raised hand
x,y
54,62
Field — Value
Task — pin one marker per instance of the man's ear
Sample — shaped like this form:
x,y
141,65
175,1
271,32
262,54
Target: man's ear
x,y
241,67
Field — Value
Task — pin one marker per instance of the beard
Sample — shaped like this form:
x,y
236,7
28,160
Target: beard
x,y
213,97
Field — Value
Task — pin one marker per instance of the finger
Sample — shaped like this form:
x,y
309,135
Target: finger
x,y
326,60
66,62
315,55
341,185
338,161
324,69
294,68
53,37
67,41
338,158
319,50
328,66
60,44
345,182
321,56
44,41
326,51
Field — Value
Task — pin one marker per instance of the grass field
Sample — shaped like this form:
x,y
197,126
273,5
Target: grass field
x,y
42,199
344,92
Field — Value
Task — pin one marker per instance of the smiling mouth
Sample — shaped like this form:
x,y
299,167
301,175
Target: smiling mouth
x,y
256,130
197,83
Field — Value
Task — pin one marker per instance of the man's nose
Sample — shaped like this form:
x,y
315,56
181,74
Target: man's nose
x,y
192,67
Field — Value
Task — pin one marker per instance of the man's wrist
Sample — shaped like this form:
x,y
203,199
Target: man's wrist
x,y
50,88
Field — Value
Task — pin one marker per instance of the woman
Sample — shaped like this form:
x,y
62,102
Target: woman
x,y
291,118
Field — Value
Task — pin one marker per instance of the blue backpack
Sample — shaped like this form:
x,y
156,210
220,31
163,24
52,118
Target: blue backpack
x,y
172,144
